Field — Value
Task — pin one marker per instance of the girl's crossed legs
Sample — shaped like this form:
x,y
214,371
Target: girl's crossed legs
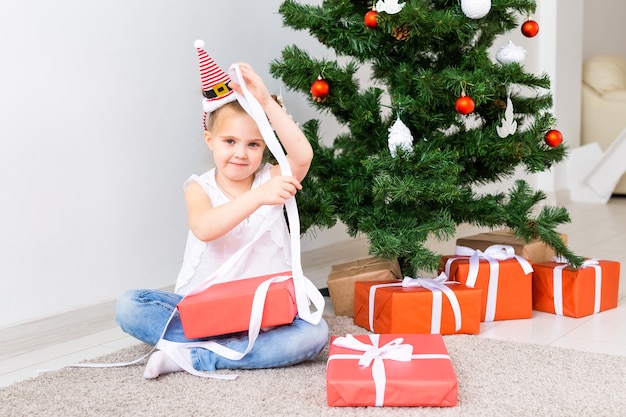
x,y
143,314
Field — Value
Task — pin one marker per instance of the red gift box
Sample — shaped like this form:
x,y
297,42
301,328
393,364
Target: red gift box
x,y
226,307
560,290
505,278
390,370
383,307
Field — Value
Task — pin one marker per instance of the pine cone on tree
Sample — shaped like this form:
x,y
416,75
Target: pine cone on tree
x,y
402,32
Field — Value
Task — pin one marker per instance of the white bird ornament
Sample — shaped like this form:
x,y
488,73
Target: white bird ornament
x,y
509,125
389,6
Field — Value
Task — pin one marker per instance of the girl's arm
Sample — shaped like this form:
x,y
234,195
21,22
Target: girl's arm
x,y
297,147
209,223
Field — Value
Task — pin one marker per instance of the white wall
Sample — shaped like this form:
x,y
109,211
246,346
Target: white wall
x,y
604,29
100,124
560,55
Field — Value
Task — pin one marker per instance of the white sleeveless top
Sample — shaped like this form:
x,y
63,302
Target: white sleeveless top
x,y
271,254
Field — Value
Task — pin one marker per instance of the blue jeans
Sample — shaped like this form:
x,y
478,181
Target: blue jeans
x,y
143,314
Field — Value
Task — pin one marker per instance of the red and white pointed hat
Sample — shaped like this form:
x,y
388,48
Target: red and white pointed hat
x,y
214,81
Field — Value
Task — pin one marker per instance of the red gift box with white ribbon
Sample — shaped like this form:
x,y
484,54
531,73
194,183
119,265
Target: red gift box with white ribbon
x,y
504,277
561,290
390,370
417,305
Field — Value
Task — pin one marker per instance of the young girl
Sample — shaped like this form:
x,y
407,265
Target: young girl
x,y
225,207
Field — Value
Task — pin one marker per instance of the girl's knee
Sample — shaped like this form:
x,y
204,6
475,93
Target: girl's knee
x,y
125,308
317,335
124,303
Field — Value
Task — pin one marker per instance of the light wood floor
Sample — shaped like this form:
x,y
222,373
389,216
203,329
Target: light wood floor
x,y
597,230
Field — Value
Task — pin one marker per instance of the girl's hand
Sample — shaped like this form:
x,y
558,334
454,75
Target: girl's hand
x,y
254,84
279,189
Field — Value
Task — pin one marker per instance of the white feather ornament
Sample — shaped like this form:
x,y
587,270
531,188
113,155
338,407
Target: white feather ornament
x,y
389,6
475,9
399,137
510,53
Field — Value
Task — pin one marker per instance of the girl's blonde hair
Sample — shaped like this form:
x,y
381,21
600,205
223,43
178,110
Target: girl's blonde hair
x,y
214,117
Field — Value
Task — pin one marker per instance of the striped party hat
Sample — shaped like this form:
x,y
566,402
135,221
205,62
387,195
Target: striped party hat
x,y
214,82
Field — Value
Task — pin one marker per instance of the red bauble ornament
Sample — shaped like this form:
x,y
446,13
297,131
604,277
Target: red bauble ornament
x,y
370,19
320,89
530,28
553,138
464,104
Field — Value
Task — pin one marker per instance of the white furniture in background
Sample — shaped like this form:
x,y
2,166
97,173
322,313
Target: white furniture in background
x,y
604,119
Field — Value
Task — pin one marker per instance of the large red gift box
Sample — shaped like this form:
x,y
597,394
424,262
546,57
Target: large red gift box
x,y
505,278
226,307
560,290
383,307
390,370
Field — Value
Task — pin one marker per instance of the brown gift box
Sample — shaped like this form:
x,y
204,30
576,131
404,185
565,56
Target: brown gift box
x,y
343,276
535,250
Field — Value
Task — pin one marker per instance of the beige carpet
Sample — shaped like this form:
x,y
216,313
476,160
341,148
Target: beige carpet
x,y
496,378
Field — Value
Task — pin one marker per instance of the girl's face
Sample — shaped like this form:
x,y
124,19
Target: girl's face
x,y
236,144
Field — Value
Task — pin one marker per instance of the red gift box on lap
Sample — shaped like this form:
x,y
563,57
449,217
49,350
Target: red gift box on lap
x,y
417,305
505,278
561,290
390,370
226,307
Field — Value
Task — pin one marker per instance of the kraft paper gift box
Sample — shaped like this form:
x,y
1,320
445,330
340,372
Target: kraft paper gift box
x,y
342,277
437,306
390,370
505,280
535,250
561,290
226,307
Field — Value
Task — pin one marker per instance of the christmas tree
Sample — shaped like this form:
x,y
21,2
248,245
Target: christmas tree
x,y
438,118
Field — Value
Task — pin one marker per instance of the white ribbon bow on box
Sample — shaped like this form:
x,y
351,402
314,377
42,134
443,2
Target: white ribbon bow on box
x,y
558,282
374,355
493,254
437,286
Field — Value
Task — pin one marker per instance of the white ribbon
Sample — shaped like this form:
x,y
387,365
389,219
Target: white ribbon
x,y
374,355
557,279
493,254
437,287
